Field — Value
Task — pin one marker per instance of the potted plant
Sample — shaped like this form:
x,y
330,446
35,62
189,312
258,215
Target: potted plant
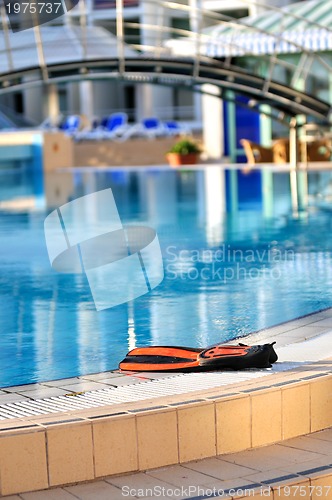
x,y
184,152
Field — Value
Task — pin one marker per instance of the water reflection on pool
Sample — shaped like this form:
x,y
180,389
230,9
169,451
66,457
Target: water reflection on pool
x,y
236,260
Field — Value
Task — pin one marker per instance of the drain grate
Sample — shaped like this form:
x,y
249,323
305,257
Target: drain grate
x,y
179,384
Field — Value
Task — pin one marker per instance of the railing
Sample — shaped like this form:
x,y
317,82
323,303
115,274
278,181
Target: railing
x,y
111,4
152,38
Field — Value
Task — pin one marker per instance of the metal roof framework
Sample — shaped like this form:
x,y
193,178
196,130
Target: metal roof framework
x,y
207,55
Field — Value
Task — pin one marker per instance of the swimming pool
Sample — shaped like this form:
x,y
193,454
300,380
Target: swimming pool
x,y
226,275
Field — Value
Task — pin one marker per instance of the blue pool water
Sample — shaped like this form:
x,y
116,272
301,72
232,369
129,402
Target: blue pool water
x,y
226,275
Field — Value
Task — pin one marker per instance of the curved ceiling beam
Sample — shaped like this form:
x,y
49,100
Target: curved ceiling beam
x,y
171,70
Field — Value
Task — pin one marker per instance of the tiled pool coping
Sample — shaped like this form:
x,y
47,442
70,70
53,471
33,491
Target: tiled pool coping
x,y
77,444
300,465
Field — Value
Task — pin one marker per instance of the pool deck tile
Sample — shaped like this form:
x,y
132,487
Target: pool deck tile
x,y
24,388
54,494
82,386
11,398
42,393
127,380
324,322
257,460
309,443
14,497
309,465
62,382
96,377
325,435
219,469
138,480
98,490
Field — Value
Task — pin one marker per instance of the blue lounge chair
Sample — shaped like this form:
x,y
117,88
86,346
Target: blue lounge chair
x,y
115,125
175,128
110,127
152,127
71,125
148,127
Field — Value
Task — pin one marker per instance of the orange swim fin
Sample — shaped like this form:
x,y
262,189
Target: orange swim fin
x,y
187,359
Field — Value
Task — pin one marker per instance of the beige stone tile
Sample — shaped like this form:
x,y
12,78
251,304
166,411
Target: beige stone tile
x,y
97,490
11,398
261,459
115,445
255,493
25,387
101,376
292,455
23,462
215,487
17,423
266,418
51,494
267,475
321,404
56,418
295,411
325,435
233,425
83,386
139,481
70,453
43,393
61,382
300,468
157,439
234,487
197,432
12,497
177,475
323,322
219,469
321,487
304,332
310,443
294,489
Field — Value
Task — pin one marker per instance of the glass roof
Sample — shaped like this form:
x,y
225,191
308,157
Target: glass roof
x,y
60,44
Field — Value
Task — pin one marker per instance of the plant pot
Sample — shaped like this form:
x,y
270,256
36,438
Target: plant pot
x,y
177,159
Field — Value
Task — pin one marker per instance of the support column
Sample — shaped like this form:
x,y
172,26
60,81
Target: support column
x,y
32,100
213,122
86,99
211,199
194,15
267,175
153,100
52,110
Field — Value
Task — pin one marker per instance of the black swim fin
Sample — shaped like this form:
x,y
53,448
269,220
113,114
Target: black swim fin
x,y
184,359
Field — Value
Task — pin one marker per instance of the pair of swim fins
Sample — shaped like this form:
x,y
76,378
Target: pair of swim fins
x,y
188,359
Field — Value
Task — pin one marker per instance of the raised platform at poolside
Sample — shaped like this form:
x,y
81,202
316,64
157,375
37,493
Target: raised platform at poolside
x,y
96,426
